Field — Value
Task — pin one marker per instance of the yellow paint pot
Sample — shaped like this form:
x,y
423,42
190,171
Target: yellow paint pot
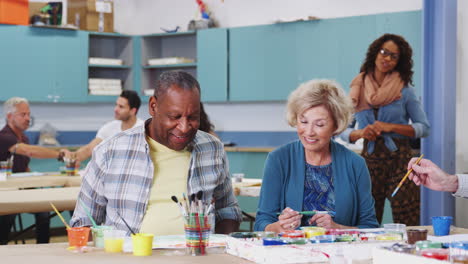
x,y
312,231
142,244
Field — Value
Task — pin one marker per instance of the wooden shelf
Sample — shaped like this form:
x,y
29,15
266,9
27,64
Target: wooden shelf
x,y
179,65
110,66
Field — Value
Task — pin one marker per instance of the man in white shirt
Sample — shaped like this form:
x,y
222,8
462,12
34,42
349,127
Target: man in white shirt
x,y
434,178
125,111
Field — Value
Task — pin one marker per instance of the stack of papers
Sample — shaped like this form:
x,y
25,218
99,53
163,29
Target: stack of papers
x,y
105,61
99,86
169,61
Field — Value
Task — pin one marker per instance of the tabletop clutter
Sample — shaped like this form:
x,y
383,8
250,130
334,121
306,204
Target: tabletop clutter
x,y
306,244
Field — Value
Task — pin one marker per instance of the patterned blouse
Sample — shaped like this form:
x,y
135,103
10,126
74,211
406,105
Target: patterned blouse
x,y
319,192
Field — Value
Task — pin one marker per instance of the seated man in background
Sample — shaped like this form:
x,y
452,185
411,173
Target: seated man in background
x,y
13,142
135,173
125,113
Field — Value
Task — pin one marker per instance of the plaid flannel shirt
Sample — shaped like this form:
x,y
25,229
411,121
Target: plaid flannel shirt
x,y
120,175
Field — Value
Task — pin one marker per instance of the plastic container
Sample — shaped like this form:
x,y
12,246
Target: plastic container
x,y
368,237
459,252
114,240
345,238
436,253
275,241
394,228
311,231
98,235
78,236
142,244
388,237
422,245
292,234
415,235
323,239
441,225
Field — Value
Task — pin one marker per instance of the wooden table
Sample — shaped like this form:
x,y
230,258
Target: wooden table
x,y
37,200
47,180
28,195
57,253
248,187
13,200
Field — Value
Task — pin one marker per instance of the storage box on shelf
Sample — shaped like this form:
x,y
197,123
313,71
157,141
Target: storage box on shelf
x,y
165,52
14,12
91,15
110,65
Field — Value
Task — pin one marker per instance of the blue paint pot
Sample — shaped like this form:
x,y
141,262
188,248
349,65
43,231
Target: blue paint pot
x,y
323,239
441,225
269,241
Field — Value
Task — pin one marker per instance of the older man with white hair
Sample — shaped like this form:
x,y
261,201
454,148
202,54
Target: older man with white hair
x,y
13,142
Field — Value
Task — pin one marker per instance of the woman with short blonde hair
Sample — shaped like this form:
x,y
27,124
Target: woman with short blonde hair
x,y
321,92
316,174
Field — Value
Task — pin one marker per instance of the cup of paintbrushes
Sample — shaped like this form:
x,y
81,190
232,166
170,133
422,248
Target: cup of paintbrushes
x,y
197,233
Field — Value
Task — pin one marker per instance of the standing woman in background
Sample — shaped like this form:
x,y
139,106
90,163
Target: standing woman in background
x,y
385,102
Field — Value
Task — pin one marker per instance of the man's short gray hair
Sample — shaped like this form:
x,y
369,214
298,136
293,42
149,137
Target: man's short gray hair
x,y
10,105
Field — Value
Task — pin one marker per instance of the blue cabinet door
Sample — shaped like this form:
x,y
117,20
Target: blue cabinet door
x,y
26,64
262,62
70,76
212,64
42,65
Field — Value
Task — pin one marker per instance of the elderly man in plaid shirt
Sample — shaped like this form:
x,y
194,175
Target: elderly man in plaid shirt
x,y
135,173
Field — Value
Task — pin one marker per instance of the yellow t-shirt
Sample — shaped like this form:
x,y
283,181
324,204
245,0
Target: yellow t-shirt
x,y
162,216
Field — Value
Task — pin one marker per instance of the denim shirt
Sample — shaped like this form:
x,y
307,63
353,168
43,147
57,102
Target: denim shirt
x,y
398,112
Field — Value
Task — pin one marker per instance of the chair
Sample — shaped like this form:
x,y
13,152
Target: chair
x,y
249,217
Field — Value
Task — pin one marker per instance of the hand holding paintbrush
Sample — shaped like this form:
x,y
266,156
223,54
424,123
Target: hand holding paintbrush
x,y
406,176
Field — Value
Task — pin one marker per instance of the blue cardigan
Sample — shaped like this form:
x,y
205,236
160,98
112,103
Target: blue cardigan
x,y
283,186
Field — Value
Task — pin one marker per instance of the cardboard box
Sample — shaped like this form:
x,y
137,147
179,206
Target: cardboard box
x,y
86,14
14,12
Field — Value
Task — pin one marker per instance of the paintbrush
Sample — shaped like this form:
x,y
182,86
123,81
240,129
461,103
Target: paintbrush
x,y
125,222
193,205
200,201
88,213
60,215
182,211
309,213
406,176
186,203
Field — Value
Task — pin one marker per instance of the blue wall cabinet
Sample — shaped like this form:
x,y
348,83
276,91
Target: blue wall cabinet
x,y
212,66
262,62
267,62
42,65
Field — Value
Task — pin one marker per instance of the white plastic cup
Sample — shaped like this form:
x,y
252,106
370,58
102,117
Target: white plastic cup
x,y
3,176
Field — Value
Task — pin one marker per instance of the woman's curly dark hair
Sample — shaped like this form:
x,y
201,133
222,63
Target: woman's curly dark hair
x,y
405,61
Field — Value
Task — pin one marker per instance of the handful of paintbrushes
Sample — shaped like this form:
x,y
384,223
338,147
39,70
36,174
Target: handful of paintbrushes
x,y
196,214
